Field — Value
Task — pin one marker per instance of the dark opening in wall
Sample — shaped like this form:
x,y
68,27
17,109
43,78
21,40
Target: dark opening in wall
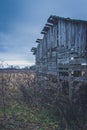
x,y
77,73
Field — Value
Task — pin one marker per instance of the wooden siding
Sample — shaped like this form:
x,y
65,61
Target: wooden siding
x,y
59,41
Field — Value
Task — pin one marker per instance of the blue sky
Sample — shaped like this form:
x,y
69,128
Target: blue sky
x,y
21,22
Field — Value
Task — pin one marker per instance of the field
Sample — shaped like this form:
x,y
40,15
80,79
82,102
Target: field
x,y
19,108
31,102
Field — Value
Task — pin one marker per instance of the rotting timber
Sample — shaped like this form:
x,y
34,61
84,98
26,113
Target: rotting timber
x,y
61,54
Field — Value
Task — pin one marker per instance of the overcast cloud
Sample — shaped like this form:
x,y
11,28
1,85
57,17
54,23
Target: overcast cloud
x,y
21,22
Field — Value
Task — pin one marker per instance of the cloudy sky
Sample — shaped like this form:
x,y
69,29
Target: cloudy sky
x,y
21,22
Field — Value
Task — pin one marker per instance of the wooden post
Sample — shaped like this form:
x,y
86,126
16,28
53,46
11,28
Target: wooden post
x,y
70,80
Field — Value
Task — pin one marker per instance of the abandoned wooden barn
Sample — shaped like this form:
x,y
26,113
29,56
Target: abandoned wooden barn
x,y
62,51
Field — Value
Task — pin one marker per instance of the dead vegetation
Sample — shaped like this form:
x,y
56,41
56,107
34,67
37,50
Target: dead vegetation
x,y
18,103
31,103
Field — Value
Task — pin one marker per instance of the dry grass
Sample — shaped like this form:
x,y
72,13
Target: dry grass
x,y
17,109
